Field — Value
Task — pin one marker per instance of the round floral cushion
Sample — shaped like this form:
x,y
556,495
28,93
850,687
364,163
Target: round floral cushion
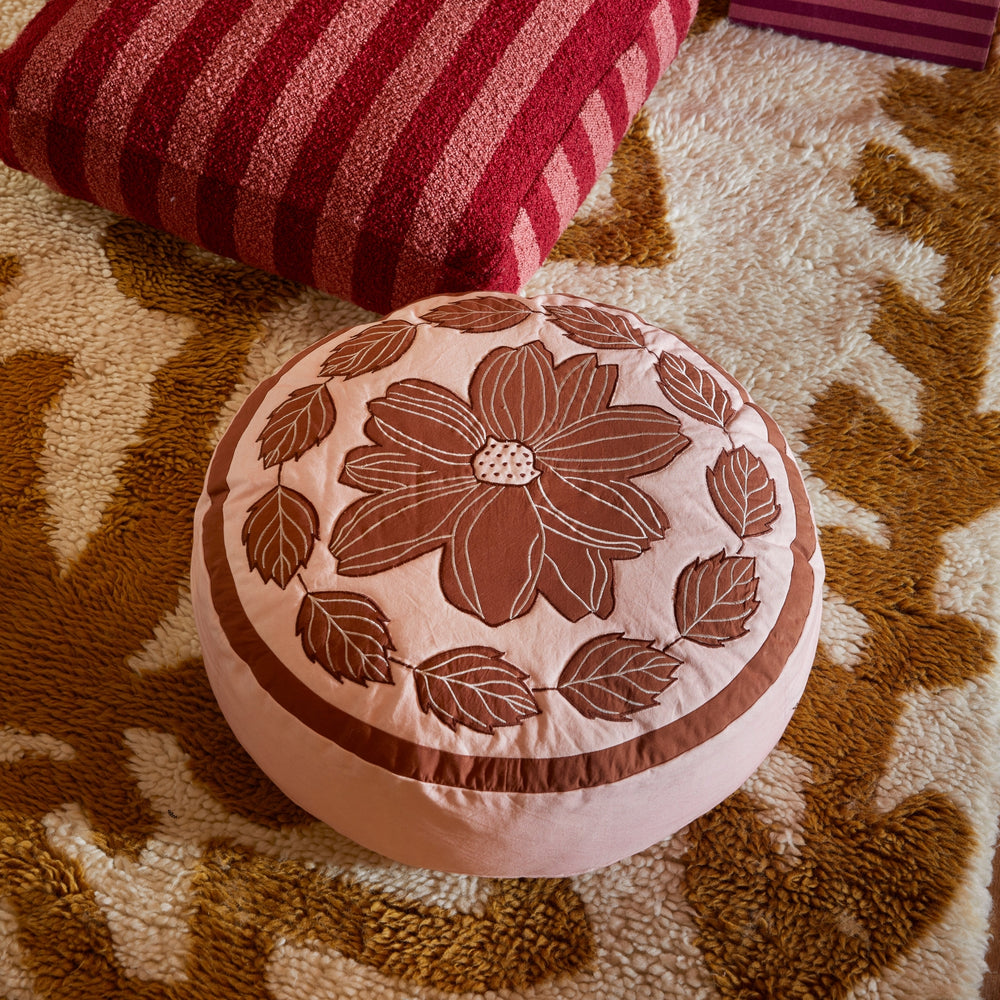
x,y
506,586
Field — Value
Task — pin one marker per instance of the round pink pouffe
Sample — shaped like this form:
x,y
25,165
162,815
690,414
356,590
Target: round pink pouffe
x,y
506,586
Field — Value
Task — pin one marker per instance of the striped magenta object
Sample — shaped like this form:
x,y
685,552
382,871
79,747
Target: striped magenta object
x,y
954,32
381,150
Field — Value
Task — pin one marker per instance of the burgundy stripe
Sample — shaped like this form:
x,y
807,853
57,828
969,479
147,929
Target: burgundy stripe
x,y
878,22
612,91
536,129
501,774
900,51
161,100
647,42
682,14
12,64
413,157
543,212
580,154
81,80
233,144
332,132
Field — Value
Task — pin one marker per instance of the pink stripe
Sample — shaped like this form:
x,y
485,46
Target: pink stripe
x,y
612,89
541,207
878,39
580,153
40,82
597,124
632,70
526,248
456,176
666,34
13,62
365,159
649,46
204,106
114,107
290,123
561,181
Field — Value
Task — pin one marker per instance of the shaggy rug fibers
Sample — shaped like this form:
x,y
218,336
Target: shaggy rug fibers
x,y
823,222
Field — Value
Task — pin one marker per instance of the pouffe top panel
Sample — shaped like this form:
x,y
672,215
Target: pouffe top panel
x,y
506,545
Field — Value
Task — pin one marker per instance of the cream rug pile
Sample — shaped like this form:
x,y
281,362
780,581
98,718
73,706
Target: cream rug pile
x,y
824,223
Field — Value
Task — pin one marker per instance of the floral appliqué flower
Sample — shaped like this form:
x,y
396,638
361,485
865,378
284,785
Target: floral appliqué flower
x,y
526,488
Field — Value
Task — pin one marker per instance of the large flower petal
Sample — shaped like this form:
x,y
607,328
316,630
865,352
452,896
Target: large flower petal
x,y
514,393
585,388
648,515
378,532
428,421
619,442
490,568
592,513
576,579
375,469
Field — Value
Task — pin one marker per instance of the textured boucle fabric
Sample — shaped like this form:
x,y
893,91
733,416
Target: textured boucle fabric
x,y
378,149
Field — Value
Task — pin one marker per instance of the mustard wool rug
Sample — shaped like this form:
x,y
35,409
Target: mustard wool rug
x,y
824,223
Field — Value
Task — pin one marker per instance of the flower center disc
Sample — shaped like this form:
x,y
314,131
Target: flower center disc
x,y
505,463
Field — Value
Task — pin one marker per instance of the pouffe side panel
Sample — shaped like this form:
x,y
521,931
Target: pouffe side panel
x,y
490,833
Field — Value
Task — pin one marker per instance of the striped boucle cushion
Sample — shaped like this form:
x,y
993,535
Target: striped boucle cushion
x,y
377,149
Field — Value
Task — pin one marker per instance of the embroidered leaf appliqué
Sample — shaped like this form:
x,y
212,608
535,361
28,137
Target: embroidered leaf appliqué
x,y
377,347
279,533
611,677
474,687
345,634
295,425
743,493
715,598
693,390
481,314
596,327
